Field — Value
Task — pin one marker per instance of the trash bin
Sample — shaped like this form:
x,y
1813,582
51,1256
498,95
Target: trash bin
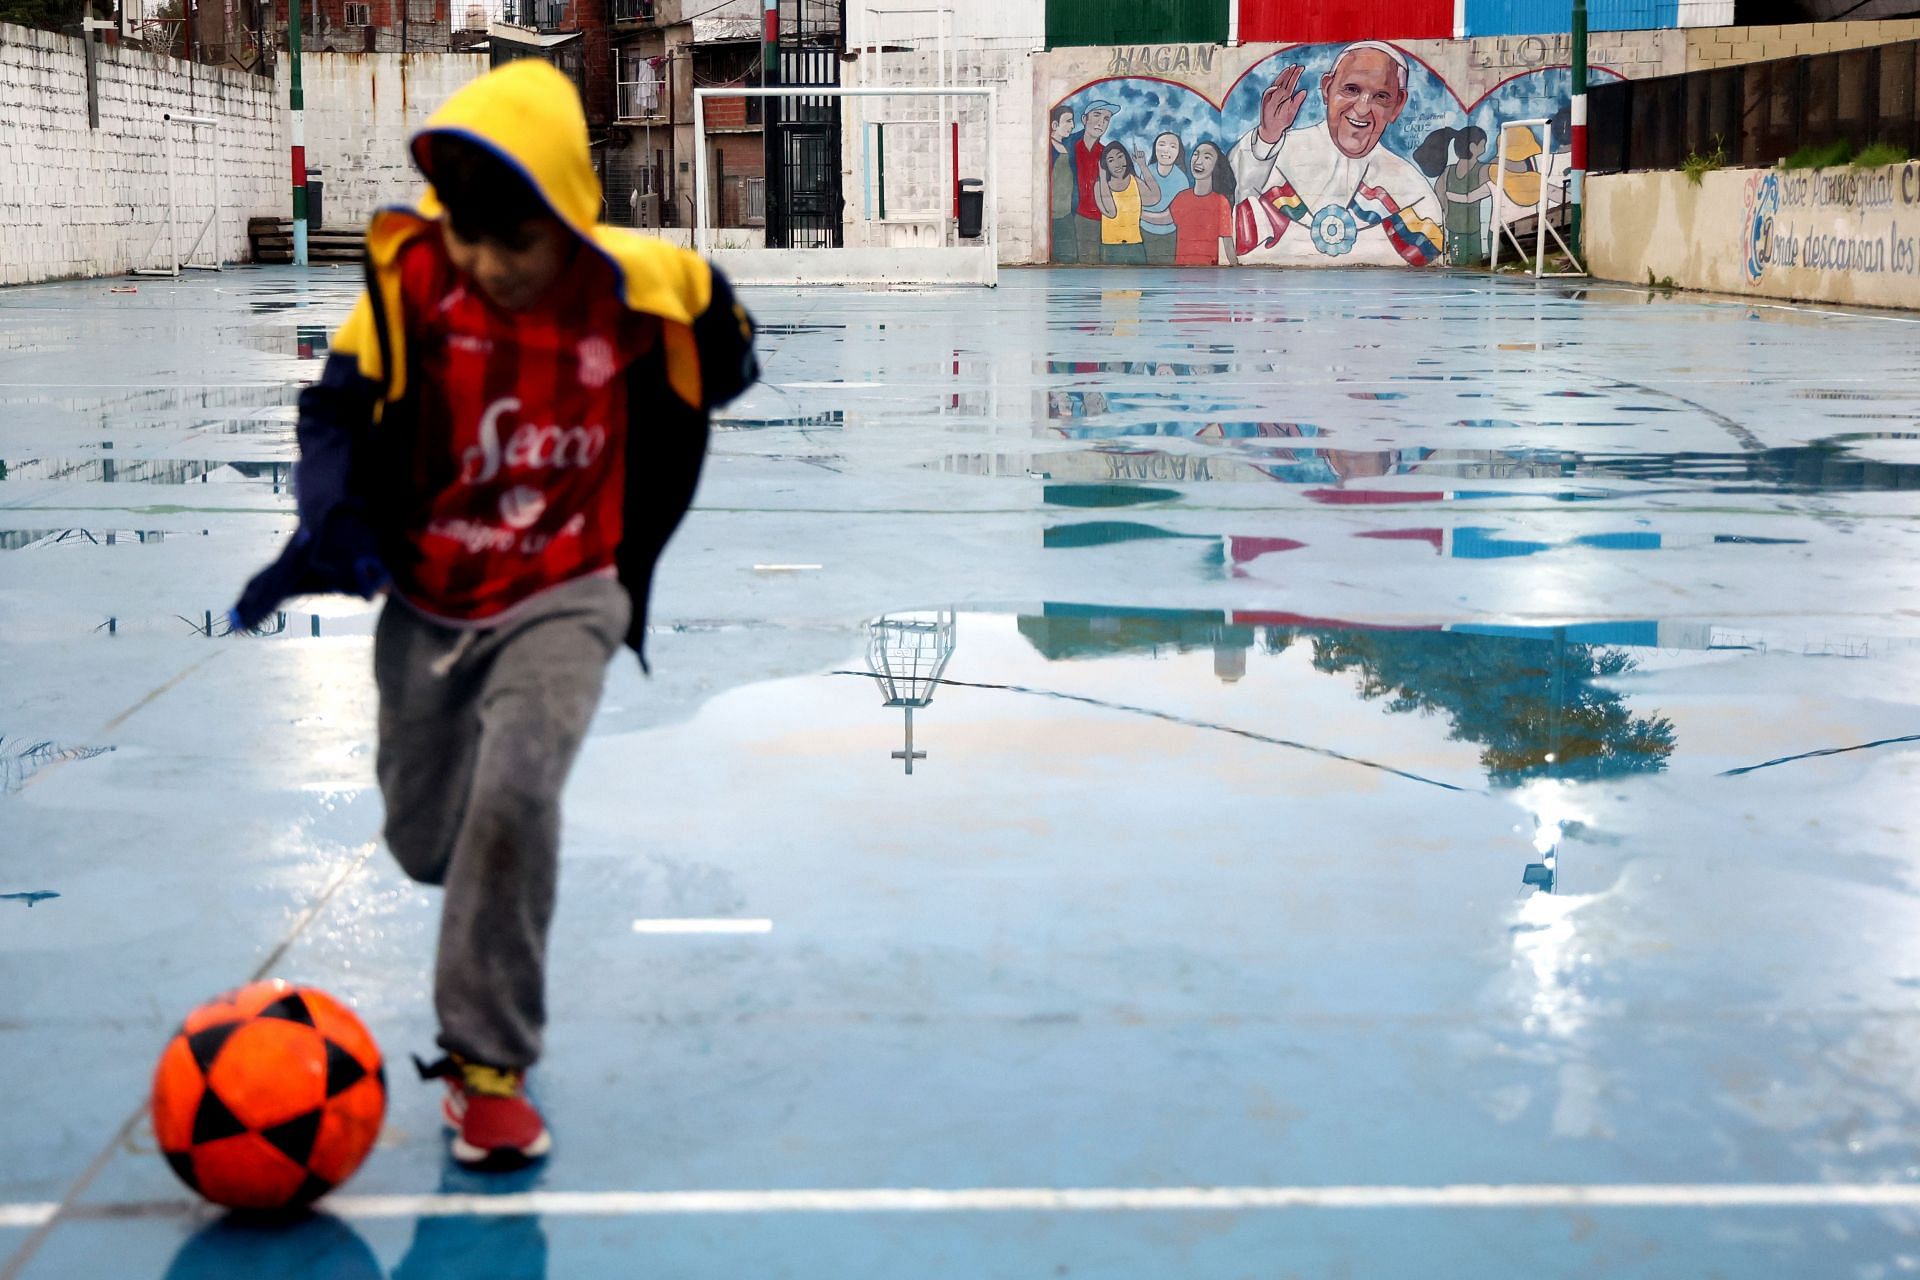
x,y
973,205
315,190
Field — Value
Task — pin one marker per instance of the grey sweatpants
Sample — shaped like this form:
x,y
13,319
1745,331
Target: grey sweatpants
x,y
478,731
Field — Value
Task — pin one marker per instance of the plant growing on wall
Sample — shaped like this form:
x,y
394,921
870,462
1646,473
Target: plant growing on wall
x,y
1877,155
1696,166
1831,156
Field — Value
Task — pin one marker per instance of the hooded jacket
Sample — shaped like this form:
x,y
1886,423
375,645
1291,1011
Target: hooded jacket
x,y
352,420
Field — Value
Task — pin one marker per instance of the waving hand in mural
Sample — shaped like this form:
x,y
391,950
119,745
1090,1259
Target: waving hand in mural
x,y
1280,105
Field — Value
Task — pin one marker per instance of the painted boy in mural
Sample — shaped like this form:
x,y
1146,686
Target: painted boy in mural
x,y
1330,190
1086,152
1063,194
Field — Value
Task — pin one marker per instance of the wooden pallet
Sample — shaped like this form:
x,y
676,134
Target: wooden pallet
x,y
272,242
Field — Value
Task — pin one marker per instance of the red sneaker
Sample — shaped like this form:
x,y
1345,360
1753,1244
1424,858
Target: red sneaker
x,y
494,1125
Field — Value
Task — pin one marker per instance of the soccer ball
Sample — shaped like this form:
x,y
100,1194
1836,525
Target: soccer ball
x,y
268,1097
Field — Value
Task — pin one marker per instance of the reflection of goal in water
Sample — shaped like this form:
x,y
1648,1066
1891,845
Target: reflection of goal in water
x,y
907,654
188,237
908,175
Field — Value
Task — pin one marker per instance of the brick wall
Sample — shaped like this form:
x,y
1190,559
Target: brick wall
x,y
736,158
726,113
361,110
1726,46
76,201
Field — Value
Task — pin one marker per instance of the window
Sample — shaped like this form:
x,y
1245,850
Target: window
x,y
359,15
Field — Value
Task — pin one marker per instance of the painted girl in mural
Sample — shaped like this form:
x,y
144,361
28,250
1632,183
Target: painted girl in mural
x,y
1061,191
1122,194
1168,168
1203,214
1331,189
1462,179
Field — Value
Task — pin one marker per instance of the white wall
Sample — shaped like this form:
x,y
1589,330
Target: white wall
x,y
76,201
1828,235
919,181
361,110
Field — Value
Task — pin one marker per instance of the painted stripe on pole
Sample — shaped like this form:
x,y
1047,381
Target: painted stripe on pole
x,y
1578,159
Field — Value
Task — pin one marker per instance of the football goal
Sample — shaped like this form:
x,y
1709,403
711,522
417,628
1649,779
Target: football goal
x,y
1527,185
188,235
872,185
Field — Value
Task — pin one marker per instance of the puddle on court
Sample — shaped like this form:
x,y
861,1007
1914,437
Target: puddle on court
x,y
275,473
1250,452
1028,724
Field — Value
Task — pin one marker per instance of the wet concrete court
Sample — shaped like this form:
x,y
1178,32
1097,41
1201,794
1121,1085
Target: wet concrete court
x,y
1417,781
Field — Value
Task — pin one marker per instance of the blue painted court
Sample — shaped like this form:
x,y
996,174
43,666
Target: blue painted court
x,y
1256,774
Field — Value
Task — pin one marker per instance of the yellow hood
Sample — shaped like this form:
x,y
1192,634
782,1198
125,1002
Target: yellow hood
x,y
529,114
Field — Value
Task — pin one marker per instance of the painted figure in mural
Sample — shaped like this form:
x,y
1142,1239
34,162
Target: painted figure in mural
x,y
1168,168
1062,193
1121,195
1462,180
1332,184
1203,214
1084,151
1524,164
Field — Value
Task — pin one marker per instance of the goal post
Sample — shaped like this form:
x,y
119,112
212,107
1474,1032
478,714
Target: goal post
x,y
188,237
1517,190
913,237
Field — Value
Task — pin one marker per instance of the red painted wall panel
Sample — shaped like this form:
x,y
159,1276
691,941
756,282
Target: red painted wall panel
x,y
1321,21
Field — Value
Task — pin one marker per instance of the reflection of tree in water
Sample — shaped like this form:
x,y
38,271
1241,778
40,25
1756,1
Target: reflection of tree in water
x,y
1522,699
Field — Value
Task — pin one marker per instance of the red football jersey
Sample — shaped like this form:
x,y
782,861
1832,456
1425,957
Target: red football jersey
x,y
518,460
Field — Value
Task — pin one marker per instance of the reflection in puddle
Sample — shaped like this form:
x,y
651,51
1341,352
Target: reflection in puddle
x,y
20,760
1534,700
907,654
1250,452
35,539
111,470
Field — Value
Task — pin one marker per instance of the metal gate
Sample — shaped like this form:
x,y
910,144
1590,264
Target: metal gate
x,y
803,153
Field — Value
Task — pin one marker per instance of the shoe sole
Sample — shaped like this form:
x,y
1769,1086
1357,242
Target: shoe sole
x,y
500,1158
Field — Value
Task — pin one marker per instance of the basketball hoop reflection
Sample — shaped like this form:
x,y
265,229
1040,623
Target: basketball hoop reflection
x,y
907,653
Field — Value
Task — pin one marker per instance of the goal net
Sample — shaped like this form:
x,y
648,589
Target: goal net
x,y
869,185
185,233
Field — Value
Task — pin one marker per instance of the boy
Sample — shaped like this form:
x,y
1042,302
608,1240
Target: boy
x,y
508,429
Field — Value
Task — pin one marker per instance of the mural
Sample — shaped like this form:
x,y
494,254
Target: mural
x,y
1319,154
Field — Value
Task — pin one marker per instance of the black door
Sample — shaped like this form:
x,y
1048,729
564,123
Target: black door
x,y
803,154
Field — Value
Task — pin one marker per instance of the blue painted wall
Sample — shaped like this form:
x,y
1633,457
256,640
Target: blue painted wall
x,y
1549,17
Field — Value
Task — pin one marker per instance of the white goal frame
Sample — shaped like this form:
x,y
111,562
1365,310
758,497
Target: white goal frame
x,y
1503,228
208,232
947,264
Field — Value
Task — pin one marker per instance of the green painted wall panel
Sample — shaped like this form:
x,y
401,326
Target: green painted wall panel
x,y
1100,22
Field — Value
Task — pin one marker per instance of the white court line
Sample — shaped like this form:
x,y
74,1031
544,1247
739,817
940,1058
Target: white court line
x,y
602,1204
784,568
1133,1199
599,1204
689,925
